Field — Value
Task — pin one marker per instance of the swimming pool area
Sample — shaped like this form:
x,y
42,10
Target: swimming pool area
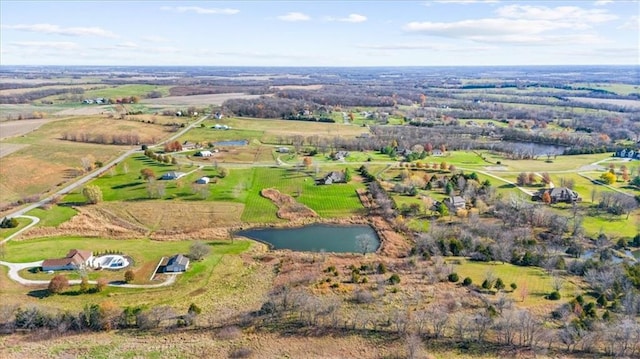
x,y
111,261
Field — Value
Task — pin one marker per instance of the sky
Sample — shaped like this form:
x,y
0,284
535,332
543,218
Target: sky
x,y
320,33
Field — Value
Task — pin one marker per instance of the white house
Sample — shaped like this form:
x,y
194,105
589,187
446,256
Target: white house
x,y
202,180
177,263
282,150
205,153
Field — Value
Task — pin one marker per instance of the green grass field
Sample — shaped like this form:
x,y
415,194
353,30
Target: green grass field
x,y
332,201
535,280
53,216
125,90
205,282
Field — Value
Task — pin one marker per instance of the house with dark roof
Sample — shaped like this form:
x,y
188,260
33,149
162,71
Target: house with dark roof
x,y
175,264
332,177
172,175
74,259
558,194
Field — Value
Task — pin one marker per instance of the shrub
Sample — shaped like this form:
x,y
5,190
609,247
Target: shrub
x,y
453,277
513,286
394,279
198,251
555,295
467,281
499,284
101,283
92,193
129,276
382,268
242,352
58,284
8,223
486,284
194,309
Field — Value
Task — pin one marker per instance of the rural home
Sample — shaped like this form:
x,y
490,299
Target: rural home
x,y
332,177
340,155
202,180
436,153
455,202
218,116
175,264
627,153
282,150
172,175
205,153
221,127
74,260
558,194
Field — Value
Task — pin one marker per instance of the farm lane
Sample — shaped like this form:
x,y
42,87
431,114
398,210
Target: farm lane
x,y
15,268
90,176
34,221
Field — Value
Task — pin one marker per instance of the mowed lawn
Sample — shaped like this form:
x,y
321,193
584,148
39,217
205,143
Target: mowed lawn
x,y
533,280
329,201
194,286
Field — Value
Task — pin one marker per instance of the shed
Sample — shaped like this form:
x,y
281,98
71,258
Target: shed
x,y
202,180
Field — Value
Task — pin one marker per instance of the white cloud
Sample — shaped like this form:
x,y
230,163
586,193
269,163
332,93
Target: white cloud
x,y
571,14
602,2
67,31
200,10
52,45
354,18
128,45
424,46
154,38
521,24
294,16
467,1
632,24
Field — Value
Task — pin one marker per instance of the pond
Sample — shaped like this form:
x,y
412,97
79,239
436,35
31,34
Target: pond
x,y
318,238
232,143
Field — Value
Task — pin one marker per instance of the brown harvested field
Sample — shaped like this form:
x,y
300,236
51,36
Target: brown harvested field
x,y
276,127
18,128
18,91
85,111
617,102
183,216
196,100
297,87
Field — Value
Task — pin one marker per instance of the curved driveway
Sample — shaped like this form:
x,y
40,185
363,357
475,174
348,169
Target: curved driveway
x,y
15,268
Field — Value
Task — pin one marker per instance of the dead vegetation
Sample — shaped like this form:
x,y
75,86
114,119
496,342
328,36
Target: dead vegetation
x,y
288,208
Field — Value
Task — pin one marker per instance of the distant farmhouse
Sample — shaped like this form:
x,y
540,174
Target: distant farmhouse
x,y
558,194
175,264
282,150
221,127
203,180
628,153
173,175
205,153
332,177
75,259
340,155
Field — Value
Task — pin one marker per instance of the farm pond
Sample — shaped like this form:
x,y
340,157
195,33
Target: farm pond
x,y
318,238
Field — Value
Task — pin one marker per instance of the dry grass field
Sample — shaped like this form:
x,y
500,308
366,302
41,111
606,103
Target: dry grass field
x,y
196,100
185,216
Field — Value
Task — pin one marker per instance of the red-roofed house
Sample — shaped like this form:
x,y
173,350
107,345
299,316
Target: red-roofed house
x,y
75,259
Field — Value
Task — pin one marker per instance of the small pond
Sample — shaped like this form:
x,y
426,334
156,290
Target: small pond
x,y
232,143
318,238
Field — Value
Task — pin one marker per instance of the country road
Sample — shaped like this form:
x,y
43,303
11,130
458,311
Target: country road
x,y
90,176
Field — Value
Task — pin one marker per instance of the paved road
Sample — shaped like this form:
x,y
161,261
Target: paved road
x,y
15,268
97,172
